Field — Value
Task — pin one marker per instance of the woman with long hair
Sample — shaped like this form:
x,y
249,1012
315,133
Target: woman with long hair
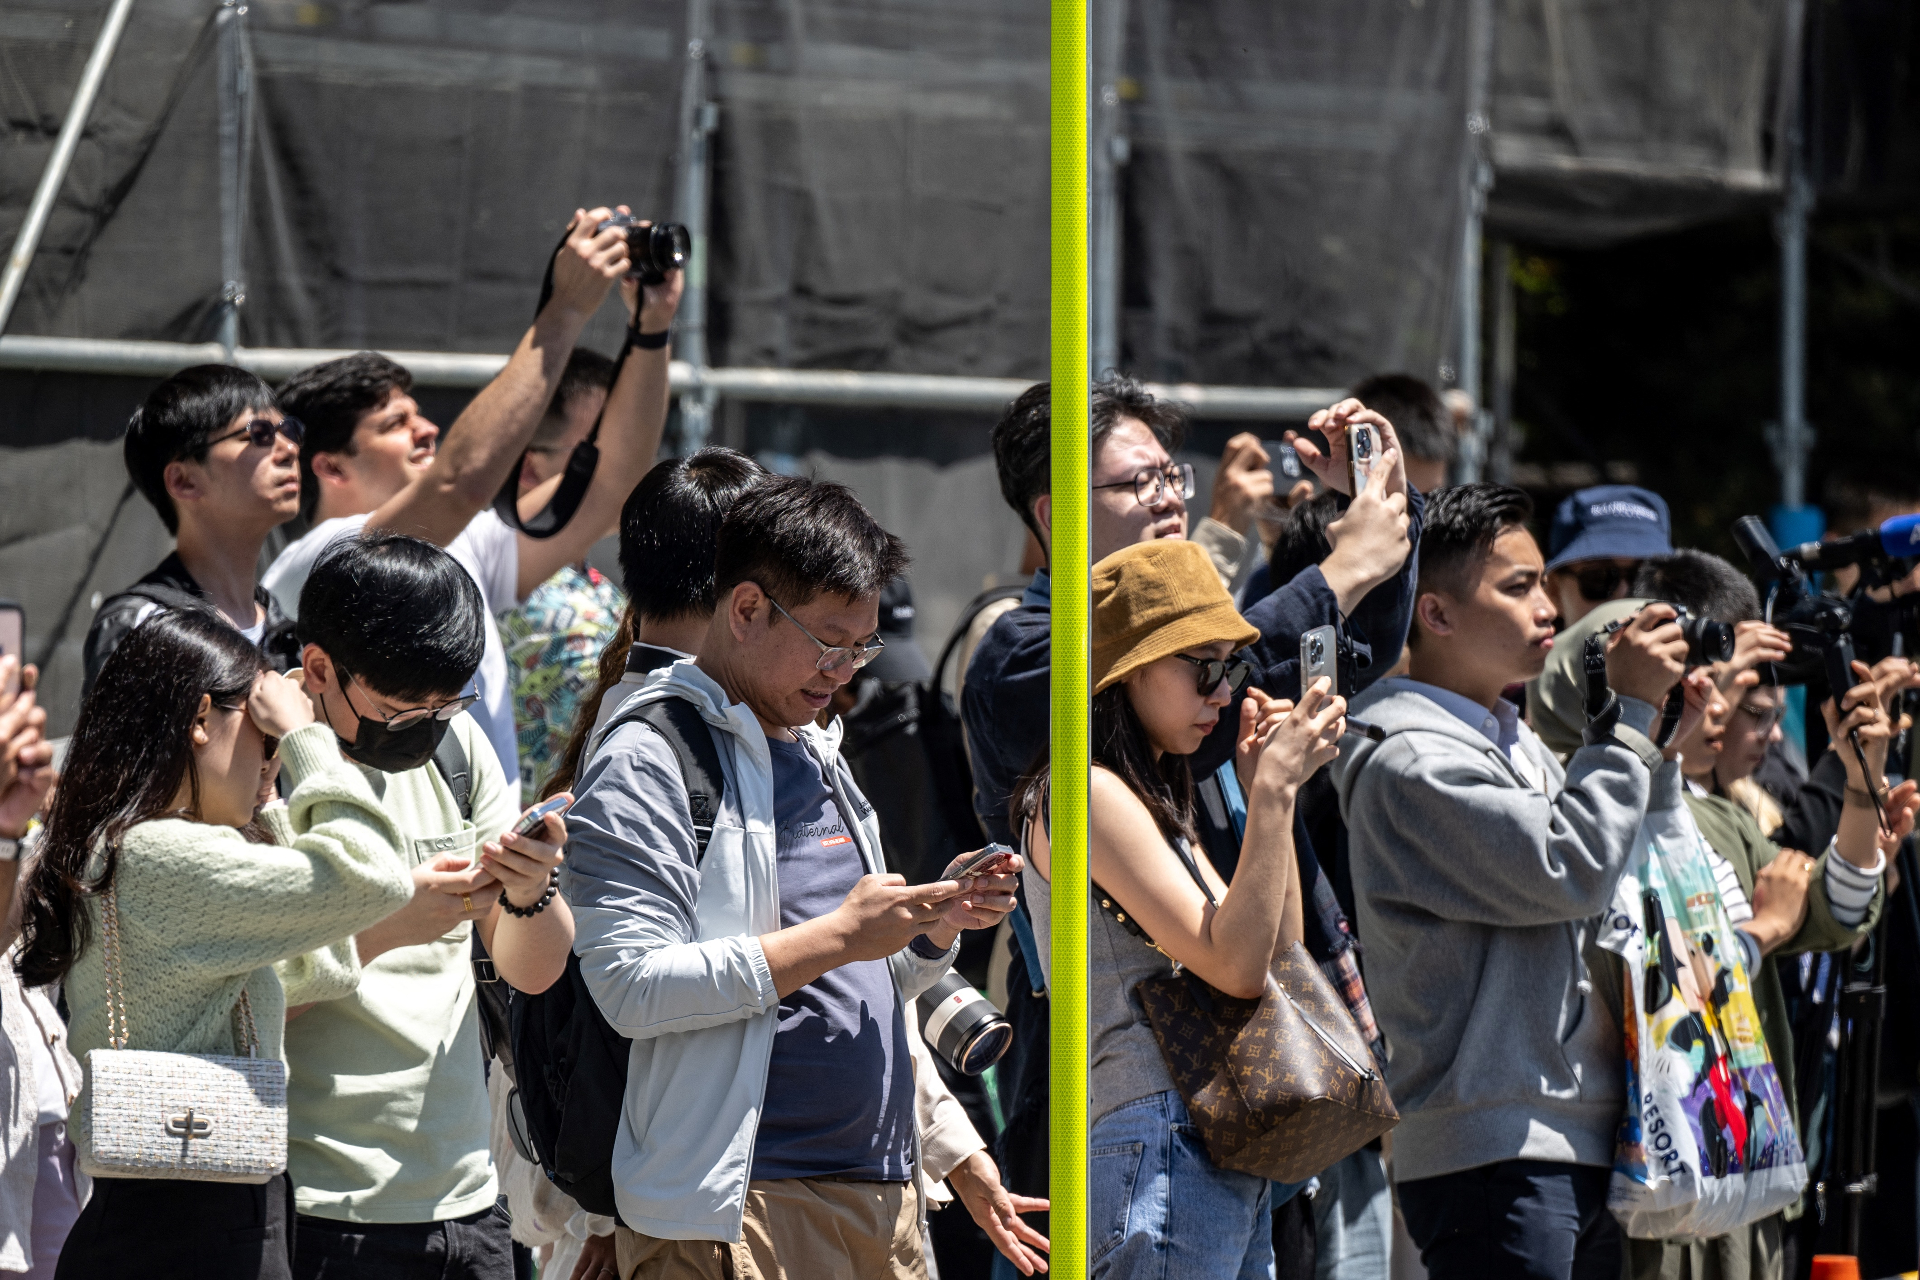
x,y
1164,635
158,826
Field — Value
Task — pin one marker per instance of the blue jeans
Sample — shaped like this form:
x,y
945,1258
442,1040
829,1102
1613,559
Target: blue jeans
x,y
1353,1220
1161,1210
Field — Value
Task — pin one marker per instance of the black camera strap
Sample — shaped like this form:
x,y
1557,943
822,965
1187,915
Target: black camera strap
x,y
580,463
1603,705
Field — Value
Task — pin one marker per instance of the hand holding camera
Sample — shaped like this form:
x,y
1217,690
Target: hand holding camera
x,y
1358,439
1369,540
1647,657
593,257
657,254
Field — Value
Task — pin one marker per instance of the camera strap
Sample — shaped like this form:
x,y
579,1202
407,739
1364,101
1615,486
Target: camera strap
x,y
1603,705
580,463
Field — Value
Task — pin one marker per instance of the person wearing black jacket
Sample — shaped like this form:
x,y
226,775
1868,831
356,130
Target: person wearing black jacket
x,y
212,452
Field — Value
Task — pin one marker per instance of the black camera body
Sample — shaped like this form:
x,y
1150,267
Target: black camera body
x,y
654,250
1816,623
1708,641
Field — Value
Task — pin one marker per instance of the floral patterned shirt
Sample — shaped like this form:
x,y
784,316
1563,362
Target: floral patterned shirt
x,y
553,643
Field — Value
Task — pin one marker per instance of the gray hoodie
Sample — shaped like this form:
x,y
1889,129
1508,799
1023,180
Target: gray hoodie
x,y
1476,896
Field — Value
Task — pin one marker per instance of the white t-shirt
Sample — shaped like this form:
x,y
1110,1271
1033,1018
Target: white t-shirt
x,y
490,553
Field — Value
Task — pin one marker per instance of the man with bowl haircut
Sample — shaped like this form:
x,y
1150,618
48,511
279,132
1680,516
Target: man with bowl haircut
x,y
768,1127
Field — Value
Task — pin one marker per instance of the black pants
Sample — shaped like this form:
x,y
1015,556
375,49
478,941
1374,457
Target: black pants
x,y
1515,1220
160,1229
476,1247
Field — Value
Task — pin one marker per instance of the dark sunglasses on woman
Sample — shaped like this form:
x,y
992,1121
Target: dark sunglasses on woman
x,y
1213,670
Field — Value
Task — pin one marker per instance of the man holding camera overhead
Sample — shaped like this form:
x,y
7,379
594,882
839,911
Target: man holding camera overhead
x,y
371,459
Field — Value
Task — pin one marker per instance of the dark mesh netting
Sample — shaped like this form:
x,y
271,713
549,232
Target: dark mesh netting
x,y
1294,199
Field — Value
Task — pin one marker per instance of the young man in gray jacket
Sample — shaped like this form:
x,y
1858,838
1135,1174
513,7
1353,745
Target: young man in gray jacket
x,y
1478,866
768,1127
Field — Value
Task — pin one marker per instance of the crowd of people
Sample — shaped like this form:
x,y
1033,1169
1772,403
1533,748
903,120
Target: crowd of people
x,y
433,905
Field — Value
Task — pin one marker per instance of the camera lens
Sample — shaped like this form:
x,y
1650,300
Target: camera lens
x,y
1363,442
1316,650
658,249
962,1026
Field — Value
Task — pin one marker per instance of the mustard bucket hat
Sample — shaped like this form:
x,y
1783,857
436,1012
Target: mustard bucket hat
x,y
1158,598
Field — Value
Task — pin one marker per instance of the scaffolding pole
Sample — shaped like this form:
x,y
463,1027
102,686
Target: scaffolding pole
x,y
1110,150
699,116
236,147
1477,180
91,77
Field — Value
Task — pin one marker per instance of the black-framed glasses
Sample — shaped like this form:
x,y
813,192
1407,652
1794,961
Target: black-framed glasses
x,y
833,657
261,431
1151,486
1598,582
413,715
1213,670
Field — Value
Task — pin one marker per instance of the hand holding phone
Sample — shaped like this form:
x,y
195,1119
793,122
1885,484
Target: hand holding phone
x,y
1319,656
535,818
13,643
994,860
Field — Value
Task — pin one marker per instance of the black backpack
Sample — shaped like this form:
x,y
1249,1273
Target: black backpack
x,y
942,734
570,1066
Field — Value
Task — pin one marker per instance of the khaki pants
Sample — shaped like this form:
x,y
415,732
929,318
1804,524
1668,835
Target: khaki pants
x,y
796,1229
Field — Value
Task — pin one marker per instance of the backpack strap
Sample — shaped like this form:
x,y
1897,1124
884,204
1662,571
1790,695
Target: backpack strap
x,y
973,609
450,758
680,723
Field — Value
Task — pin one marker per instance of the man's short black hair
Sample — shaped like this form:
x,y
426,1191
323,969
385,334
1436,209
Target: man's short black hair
x,y
1418,414
398,612
178,421
1303,540
586,371
670,530
1459,530
1706,585
799,538
1023,440
331,400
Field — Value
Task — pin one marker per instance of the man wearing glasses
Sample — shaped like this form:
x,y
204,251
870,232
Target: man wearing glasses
x,y
1598,540
220,464
763,972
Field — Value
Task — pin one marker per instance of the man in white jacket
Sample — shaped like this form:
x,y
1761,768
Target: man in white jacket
x,y
768,1126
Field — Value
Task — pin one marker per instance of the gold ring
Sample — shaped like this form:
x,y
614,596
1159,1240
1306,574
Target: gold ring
x,y
466,902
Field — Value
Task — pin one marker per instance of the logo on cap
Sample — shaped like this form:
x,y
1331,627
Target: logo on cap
x,y
1628,510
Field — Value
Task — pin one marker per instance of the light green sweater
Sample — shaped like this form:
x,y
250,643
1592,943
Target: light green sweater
x,y
387,1116
205,914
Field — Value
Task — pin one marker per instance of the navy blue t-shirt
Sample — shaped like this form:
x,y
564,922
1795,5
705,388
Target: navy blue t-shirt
x,y
840,1082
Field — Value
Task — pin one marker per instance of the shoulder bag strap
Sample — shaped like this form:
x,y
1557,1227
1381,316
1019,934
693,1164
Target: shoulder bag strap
x,y
116,983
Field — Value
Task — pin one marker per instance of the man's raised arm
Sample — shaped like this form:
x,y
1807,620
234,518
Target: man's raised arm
x,y
487,439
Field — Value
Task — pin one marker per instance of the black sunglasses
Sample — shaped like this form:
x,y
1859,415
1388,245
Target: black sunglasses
x,y
261,431
1598,582
1213,670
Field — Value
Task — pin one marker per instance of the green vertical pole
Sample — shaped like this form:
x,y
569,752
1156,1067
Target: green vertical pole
x,y
1071,636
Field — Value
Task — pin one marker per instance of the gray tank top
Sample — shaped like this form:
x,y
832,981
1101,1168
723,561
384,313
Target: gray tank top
x,y
1124,1062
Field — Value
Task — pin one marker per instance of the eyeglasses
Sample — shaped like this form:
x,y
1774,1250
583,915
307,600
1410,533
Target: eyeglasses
x,y
834,657
261,431
1764,718
1151,486
1598,582
413,715
1213,670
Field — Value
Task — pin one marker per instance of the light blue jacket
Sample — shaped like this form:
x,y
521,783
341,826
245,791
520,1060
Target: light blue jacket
x,y
672,954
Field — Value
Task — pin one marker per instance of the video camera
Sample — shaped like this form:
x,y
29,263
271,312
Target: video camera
x,y
1816,623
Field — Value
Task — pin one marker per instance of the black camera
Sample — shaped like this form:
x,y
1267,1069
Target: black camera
x,y
1816,623
962,1026
652,251
1707,641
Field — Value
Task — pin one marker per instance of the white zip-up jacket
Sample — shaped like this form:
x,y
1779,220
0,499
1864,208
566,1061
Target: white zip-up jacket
x,y
671,950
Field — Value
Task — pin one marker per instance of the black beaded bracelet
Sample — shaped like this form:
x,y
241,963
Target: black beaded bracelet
x,y
553,887
649,341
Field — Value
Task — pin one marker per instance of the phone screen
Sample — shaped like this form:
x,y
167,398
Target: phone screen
x,y
13,640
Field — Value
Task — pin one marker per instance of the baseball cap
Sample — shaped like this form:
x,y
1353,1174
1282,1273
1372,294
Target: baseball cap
x,y
1608,521
903,659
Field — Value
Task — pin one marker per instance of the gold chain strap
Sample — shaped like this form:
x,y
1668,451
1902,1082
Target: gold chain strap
x,y
117,985
116,982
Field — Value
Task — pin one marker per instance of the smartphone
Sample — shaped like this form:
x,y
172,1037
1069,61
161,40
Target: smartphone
x,y
1318,657
13,640
1362,452
531,820
990,861
1283,460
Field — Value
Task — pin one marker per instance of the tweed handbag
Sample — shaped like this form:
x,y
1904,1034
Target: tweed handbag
x,y
194,1117
1281,1087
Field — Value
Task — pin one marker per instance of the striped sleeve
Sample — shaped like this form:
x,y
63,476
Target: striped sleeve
x,y
1850,889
